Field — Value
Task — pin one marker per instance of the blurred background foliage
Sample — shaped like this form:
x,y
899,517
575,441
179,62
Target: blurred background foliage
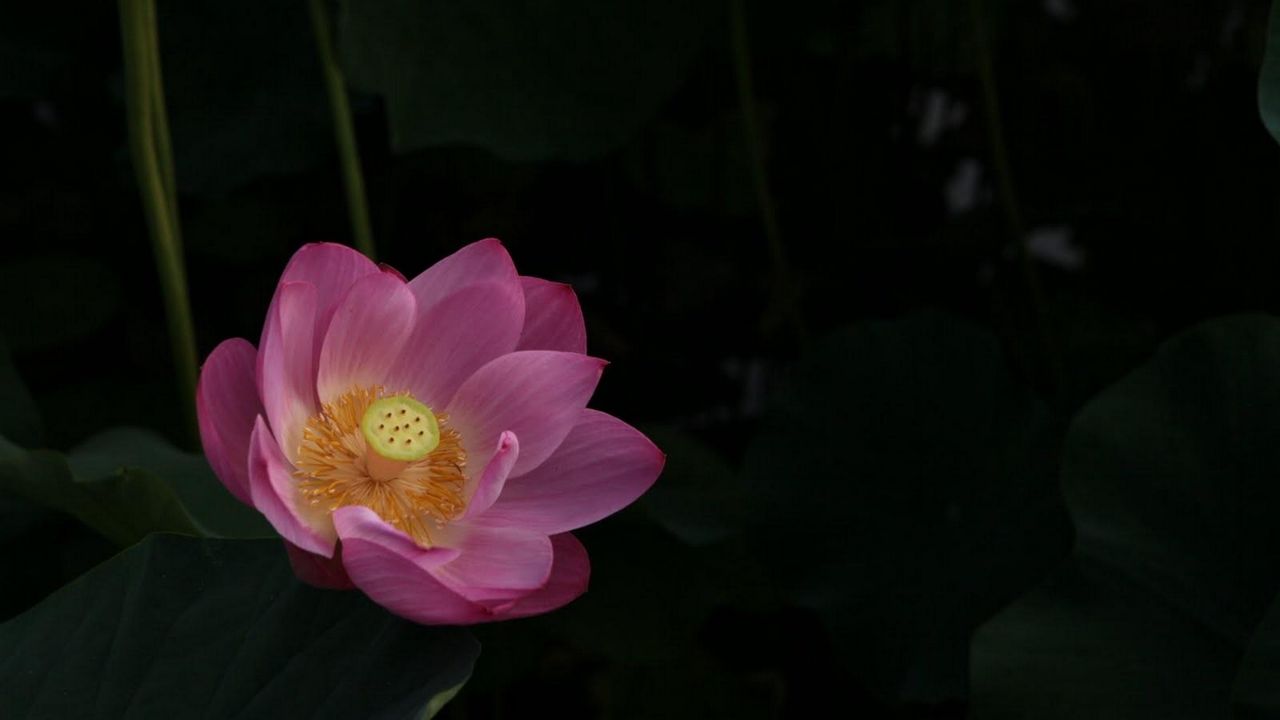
x,y
971,445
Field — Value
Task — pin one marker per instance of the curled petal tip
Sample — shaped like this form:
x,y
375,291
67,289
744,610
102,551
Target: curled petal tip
x,y
384,267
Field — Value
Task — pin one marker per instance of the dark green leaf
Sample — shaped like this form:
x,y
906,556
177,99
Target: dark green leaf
x,y
42,550
1257,687
567,79
145,457
700,499
631,647
903,486
123,507
179,627
125,483
1170,474
1170,477
1091,644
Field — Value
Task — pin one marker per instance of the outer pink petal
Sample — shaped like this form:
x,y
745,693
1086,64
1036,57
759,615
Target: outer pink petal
x,y
318,570
552,317
494,564
332,269
286,363
226,404
569,577
396,573
537,394
483,261
365,337
494,476
456,335
601,467
275,495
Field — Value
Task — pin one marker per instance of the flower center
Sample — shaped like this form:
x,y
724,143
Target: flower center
x,y
387,452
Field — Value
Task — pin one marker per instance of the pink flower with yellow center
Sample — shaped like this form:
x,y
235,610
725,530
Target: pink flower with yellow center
x,y
428,441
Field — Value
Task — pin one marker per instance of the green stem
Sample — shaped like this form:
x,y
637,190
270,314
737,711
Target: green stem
x,y
995,129
144,107
1009,198
343,129
160,116
783,279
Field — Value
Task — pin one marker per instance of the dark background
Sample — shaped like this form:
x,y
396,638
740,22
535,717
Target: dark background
x,y
606,145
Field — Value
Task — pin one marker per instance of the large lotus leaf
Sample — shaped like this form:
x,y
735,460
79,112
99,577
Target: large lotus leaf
x,y
1256,693
180,627
146,457
1091,644
1170,476
635,645
122,507
126,483
700,499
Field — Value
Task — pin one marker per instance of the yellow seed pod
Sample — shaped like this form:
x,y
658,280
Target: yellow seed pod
x,y
400,428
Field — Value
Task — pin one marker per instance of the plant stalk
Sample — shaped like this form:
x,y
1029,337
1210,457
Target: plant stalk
x,y
1047,347
784,281
343,129
152,158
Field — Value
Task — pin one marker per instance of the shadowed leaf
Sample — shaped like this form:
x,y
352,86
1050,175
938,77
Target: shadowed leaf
x,y
1170,476
181,627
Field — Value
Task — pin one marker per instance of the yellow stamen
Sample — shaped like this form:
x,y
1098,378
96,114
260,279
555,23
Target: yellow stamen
x,y
415,491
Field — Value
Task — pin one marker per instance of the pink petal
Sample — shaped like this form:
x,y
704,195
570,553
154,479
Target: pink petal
x,y
494,564
536,394
601,467
275,495
286,364
494,476
456,335
483,261
318,570
359,523
332,269
226,405
392,570
569,577
365,337
552,317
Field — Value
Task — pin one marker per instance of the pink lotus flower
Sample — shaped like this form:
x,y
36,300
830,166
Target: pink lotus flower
x,y
425,441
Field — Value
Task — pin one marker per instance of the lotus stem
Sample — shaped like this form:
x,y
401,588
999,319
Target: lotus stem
x,y
343,129
152,158
787,295
1047,346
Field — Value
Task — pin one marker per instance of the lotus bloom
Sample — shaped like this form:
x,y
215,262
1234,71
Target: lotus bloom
x,y
428,441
